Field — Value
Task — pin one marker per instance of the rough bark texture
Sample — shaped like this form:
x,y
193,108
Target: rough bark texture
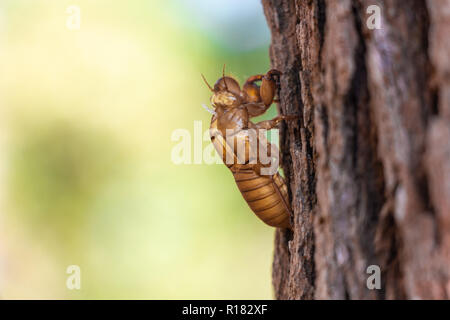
x,y
368,163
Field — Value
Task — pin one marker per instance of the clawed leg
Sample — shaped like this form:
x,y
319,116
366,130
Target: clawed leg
x,y
255,109
269,87
270,124
264,94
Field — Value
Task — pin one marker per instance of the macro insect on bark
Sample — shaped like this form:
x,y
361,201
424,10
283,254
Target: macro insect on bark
x,y
243,147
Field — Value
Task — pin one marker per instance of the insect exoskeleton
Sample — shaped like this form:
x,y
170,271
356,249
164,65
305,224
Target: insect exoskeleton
x,y
231,129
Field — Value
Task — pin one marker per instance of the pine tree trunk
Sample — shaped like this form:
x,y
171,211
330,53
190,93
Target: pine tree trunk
x,y
368,163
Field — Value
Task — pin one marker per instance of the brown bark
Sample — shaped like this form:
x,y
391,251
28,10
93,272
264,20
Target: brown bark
x,y
368,163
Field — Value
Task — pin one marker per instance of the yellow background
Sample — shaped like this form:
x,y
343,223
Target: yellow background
x,y
86,176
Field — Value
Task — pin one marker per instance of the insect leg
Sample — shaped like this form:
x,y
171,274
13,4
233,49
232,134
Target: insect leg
x,y
250,90
255,109
270,124
269,86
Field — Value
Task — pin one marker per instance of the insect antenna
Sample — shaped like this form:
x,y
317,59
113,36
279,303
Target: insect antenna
x,y
204,79
223,77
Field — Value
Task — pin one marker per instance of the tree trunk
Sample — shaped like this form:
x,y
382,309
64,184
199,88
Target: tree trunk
x,y
368,163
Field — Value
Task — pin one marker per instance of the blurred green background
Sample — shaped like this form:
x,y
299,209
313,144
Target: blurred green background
x,y
86,177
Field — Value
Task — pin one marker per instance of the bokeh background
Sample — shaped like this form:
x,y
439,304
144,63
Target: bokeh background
x,y
86,177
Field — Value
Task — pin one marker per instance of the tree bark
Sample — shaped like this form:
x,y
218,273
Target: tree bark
x,y
368,162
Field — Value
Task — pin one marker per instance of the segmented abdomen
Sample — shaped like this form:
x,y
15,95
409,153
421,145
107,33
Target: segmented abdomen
x,y
267,201
266,195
